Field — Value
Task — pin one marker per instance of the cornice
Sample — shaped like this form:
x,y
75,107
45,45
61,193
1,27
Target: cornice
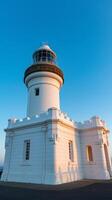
x,y
58,122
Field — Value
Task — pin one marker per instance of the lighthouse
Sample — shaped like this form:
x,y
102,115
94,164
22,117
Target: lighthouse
x,y
43,80
47,146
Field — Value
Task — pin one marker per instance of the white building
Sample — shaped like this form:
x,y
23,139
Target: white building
x,y
47,146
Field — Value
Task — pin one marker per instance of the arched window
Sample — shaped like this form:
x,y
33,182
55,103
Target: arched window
x,y
89,153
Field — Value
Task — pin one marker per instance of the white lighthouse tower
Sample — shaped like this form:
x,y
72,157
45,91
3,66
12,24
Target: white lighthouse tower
x,y
47,146
43,80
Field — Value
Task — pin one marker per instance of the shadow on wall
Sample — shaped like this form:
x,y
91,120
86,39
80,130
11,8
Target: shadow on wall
x,y
68,176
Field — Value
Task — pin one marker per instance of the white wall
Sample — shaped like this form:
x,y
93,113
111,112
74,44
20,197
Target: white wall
x,y
33,170
95,169
67,170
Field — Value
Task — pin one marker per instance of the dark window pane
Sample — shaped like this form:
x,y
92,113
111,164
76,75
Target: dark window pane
x,y
36,91
44,53
43,58
27,149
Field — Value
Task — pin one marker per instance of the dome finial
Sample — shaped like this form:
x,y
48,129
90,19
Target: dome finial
x,y
45,43
45,46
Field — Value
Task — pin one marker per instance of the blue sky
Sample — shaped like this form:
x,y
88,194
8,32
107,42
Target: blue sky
x,y
80,32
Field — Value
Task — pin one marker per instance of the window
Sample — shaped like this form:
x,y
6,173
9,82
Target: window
x,y
37,92
89,153
44,53
70,146
27,149
39,56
